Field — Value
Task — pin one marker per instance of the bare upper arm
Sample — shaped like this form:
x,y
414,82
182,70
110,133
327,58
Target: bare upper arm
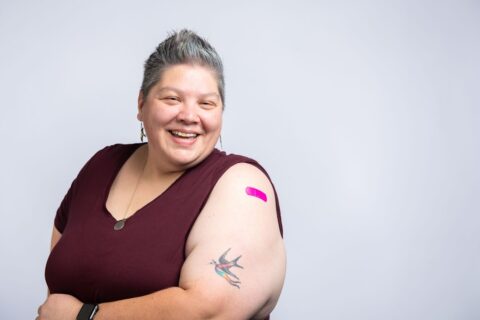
x,y
56,235
237,224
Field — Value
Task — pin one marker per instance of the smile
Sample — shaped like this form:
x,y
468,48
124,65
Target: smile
x,y
183,135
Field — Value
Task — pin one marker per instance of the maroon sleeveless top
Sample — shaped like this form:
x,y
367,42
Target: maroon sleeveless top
x,y
97,264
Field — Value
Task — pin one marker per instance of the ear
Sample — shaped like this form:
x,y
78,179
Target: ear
x,y
140,105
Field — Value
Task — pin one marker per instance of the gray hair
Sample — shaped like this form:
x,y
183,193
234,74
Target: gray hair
x,y
183,47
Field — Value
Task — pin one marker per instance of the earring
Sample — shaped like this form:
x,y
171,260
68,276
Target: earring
x,y
221,145
142,132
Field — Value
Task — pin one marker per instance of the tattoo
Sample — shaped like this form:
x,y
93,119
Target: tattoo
x,y
222,268
254,192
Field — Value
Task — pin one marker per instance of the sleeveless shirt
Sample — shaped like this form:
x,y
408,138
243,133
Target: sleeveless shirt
x,y
95,263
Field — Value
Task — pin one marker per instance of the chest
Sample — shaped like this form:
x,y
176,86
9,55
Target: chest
x,y
133,188
95,263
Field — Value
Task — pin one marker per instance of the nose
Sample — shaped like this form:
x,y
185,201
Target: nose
x,y
187,113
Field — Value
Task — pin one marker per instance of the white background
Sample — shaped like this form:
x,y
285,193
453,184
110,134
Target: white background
x,y
365,113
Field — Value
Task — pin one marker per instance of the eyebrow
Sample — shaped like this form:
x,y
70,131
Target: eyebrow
x,y
180,91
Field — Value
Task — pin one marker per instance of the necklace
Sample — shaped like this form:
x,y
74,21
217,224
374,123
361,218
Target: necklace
x,y
121,223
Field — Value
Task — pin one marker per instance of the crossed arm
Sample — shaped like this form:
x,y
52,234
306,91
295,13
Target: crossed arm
x,y
235,263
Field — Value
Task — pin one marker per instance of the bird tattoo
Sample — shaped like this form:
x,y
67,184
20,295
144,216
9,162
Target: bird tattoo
x,y
222,268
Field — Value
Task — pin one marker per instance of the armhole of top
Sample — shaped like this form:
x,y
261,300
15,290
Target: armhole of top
x,y
61,217
233,159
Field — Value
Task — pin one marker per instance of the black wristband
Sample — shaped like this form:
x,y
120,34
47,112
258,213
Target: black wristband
x,y
87,312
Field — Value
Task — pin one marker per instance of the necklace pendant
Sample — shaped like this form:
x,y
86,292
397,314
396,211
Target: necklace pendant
x,y
119,225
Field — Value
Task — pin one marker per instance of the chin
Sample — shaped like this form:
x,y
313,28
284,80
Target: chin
x,y
188,158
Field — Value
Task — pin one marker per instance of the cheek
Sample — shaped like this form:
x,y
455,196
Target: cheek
x,y
160,115
213,122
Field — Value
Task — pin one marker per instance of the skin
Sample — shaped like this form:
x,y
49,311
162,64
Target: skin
x,y
186,99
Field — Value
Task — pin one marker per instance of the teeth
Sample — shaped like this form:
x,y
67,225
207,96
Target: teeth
x,y
183,134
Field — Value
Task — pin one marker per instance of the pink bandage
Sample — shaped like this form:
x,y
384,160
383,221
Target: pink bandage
x,y
256,193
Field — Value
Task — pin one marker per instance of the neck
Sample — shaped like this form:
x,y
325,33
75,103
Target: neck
x,y
156,169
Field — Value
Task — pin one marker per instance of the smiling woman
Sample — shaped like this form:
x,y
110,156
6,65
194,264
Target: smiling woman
x,y
169,229
182,115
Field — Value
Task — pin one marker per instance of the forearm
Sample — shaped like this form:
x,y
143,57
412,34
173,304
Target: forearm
x,y
168,304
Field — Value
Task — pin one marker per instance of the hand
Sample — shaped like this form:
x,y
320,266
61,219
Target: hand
x,y
59,307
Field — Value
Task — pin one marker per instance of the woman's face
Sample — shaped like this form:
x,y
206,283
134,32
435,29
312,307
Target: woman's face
x,y
182,115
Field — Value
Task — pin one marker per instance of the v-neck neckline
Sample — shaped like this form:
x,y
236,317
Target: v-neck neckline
x,y
128,154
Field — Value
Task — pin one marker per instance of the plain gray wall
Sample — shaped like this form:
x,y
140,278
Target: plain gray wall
x,y
365,113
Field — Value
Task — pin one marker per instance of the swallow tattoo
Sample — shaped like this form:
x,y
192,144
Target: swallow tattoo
x,y
222,268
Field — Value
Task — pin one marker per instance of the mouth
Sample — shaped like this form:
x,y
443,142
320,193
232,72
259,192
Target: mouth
x,y
183,135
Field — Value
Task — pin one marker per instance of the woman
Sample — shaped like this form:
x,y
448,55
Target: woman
x,y
172,228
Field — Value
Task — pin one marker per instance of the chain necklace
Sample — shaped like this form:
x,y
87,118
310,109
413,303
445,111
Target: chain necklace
x,y
120,224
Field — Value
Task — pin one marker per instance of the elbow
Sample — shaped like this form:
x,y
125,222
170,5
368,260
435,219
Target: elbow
x,y
209,306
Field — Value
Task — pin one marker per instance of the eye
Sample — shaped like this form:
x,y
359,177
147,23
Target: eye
x,y
208,104
171,99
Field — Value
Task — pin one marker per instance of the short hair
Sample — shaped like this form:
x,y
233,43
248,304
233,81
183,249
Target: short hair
x,y
182,47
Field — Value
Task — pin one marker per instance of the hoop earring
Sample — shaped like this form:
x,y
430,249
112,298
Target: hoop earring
x,y
142,132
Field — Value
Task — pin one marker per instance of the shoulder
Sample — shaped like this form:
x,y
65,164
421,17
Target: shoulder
x,y
241,204
243,171
113,151
104,158
243,192
244,184
117,148
235,166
